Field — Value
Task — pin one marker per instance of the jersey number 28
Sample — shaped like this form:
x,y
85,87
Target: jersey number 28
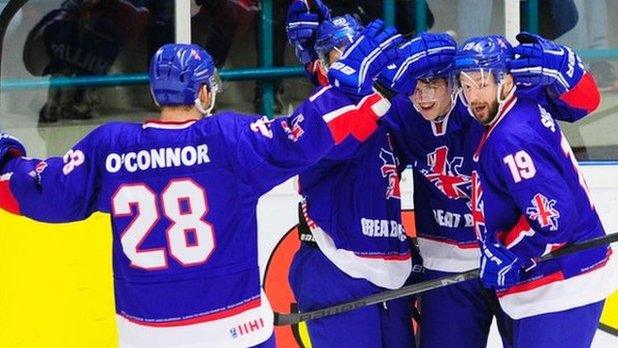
x,y
183,202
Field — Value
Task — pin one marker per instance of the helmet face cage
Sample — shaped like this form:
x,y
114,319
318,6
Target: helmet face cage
x,y
486,54
335,34
442,72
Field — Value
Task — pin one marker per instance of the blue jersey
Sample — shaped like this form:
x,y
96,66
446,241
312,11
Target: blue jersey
x,y
353,207
440,153
182,199
529,193
441,157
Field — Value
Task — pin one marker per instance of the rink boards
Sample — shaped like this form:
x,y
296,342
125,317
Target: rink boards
x,y
56,282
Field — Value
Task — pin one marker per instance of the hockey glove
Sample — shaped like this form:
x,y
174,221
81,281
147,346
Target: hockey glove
x,y
365,58
542,62
500,268
428,55
10,147
301,25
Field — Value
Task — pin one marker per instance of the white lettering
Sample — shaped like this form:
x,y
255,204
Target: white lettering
x,y
202,154
129,162
157,158
172,157
113,163
450,219
382,228
188,156
143,160
469,220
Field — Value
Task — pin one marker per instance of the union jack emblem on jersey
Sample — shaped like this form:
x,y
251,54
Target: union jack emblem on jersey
x,y
543,212
477,206
296,131
444,174
389,170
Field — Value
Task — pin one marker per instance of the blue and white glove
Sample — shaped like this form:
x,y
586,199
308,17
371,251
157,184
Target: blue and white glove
x,y
426,56
542,62
500,268
301,25
365,58
10,147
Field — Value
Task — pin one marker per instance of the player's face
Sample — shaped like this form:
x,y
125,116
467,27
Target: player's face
x,y
332,57
480,90
432,98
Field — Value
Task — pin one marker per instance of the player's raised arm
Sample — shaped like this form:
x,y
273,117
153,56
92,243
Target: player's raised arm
x,y
271,151
56,189
557,72
302,22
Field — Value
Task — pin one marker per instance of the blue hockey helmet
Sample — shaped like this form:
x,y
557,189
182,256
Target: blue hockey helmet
x,y
178,71
426,57
336,33
490,53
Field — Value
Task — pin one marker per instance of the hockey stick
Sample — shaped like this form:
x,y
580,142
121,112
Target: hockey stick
x,y
294,318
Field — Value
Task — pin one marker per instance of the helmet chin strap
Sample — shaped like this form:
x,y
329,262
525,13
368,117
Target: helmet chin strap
x,y
500,100
203,110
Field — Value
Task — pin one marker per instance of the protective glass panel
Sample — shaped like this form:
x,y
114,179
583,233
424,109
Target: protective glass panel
x,y
590,27
68,66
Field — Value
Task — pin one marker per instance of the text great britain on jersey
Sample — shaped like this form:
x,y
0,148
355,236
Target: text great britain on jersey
x,y
166,157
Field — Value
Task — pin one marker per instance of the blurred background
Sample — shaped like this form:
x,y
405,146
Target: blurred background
x,y
70,65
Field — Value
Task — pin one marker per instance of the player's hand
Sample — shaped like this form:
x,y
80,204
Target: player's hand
x,y
424,55
500,268
545,63
301,25
363,60
10,147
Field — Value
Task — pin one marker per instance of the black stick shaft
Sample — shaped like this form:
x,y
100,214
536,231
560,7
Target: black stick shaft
x,y
294,318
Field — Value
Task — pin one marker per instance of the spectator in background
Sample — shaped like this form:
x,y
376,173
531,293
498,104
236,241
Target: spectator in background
x,y
562,17
367,10
80,38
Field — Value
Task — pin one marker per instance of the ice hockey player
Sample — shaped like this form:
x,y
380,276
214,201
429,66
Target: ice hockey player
x,y
182,194
352,241
529,197
434,132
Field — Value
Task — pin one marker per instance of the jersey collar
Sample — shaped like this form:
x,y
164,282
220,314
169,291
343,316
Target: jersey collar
x,y
168,124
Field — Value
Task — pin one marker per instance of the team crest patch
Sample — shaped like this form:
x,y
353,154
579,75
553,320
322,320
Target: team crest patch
x,y
543,212
263,127
295,131
444,174
389,170
40,167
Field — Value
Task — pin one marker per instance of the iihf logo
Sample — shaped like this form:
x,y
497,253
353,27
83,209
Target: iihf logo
x,y
543,211
389,170
248,327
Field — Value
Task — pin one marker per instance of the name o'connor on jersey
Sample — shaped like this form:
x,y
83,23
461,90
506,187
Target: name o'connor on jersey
x,y
452,220
165,157
382,228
